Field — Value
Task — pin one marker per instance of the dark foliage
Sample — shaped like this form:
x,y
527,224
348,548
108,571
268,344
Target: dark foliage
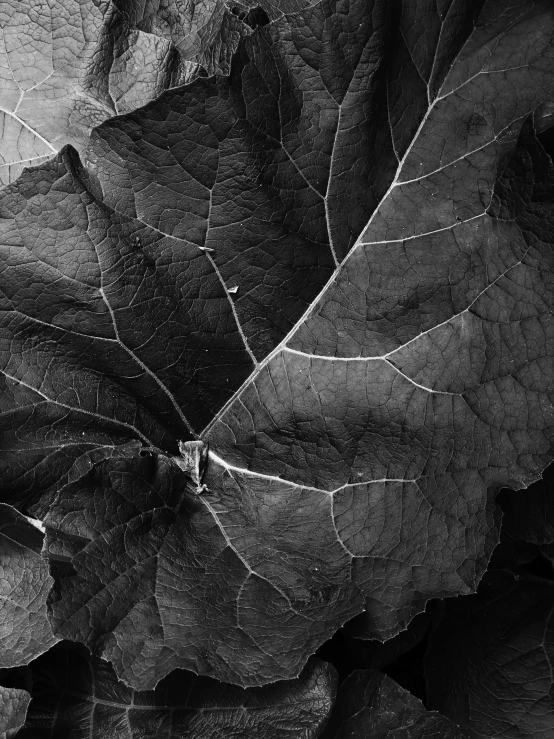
x,y
276,327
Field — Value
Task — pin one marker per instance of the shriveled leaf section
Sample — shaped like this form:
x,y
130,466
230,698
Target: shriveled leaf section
x,y
385,381
25,583
204,33
80,696
489,662
69,65
370,704
52,63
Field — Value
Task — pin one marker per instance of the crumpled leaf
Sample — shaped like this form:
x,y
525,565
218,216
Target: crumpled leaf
x,y
146,577
488,665
204,32
25,583
67,66
334,266
78,696
53,57
13,709
370,704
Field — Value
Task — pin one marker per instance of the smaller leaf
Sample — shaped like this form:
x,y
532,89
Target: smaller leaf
x,y
79,696
25,583
370,704
13,709
528,515
488,666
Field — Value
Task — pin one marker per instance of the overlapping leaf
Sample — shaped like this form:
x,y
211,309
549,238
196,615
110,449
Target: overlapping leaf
x,y
25,583
489,663
334,266
13,709
529,515
80,697
370,704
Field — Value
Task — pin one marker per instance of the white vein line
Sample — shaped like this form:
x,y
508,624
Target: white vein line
x,y
465,310
32,130
464,156
401,239
338,132
10,64
34,87
22,161
57,447
183,705
218,273
326,196
543,641
144,366
15,409
339,537
328,358
328,222
245,563
274,478
21,96
389,120
369,359
79,410
216,270
36,258
422,387
63,329
233,309
496,40
283,148
280,142
478,74
426,83
434,64
239,596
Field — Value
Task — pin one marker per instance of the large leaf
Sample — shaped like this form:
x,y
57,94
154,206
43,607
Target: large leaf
x,y
81,697
334,266
370,704
25,630
489,663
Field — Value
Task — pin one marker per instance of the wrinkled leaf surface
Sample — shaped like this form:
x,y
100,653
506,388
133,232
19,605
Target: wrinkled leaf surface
x,y
25,583
370,704
75,695
69,65
489,662
13,709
